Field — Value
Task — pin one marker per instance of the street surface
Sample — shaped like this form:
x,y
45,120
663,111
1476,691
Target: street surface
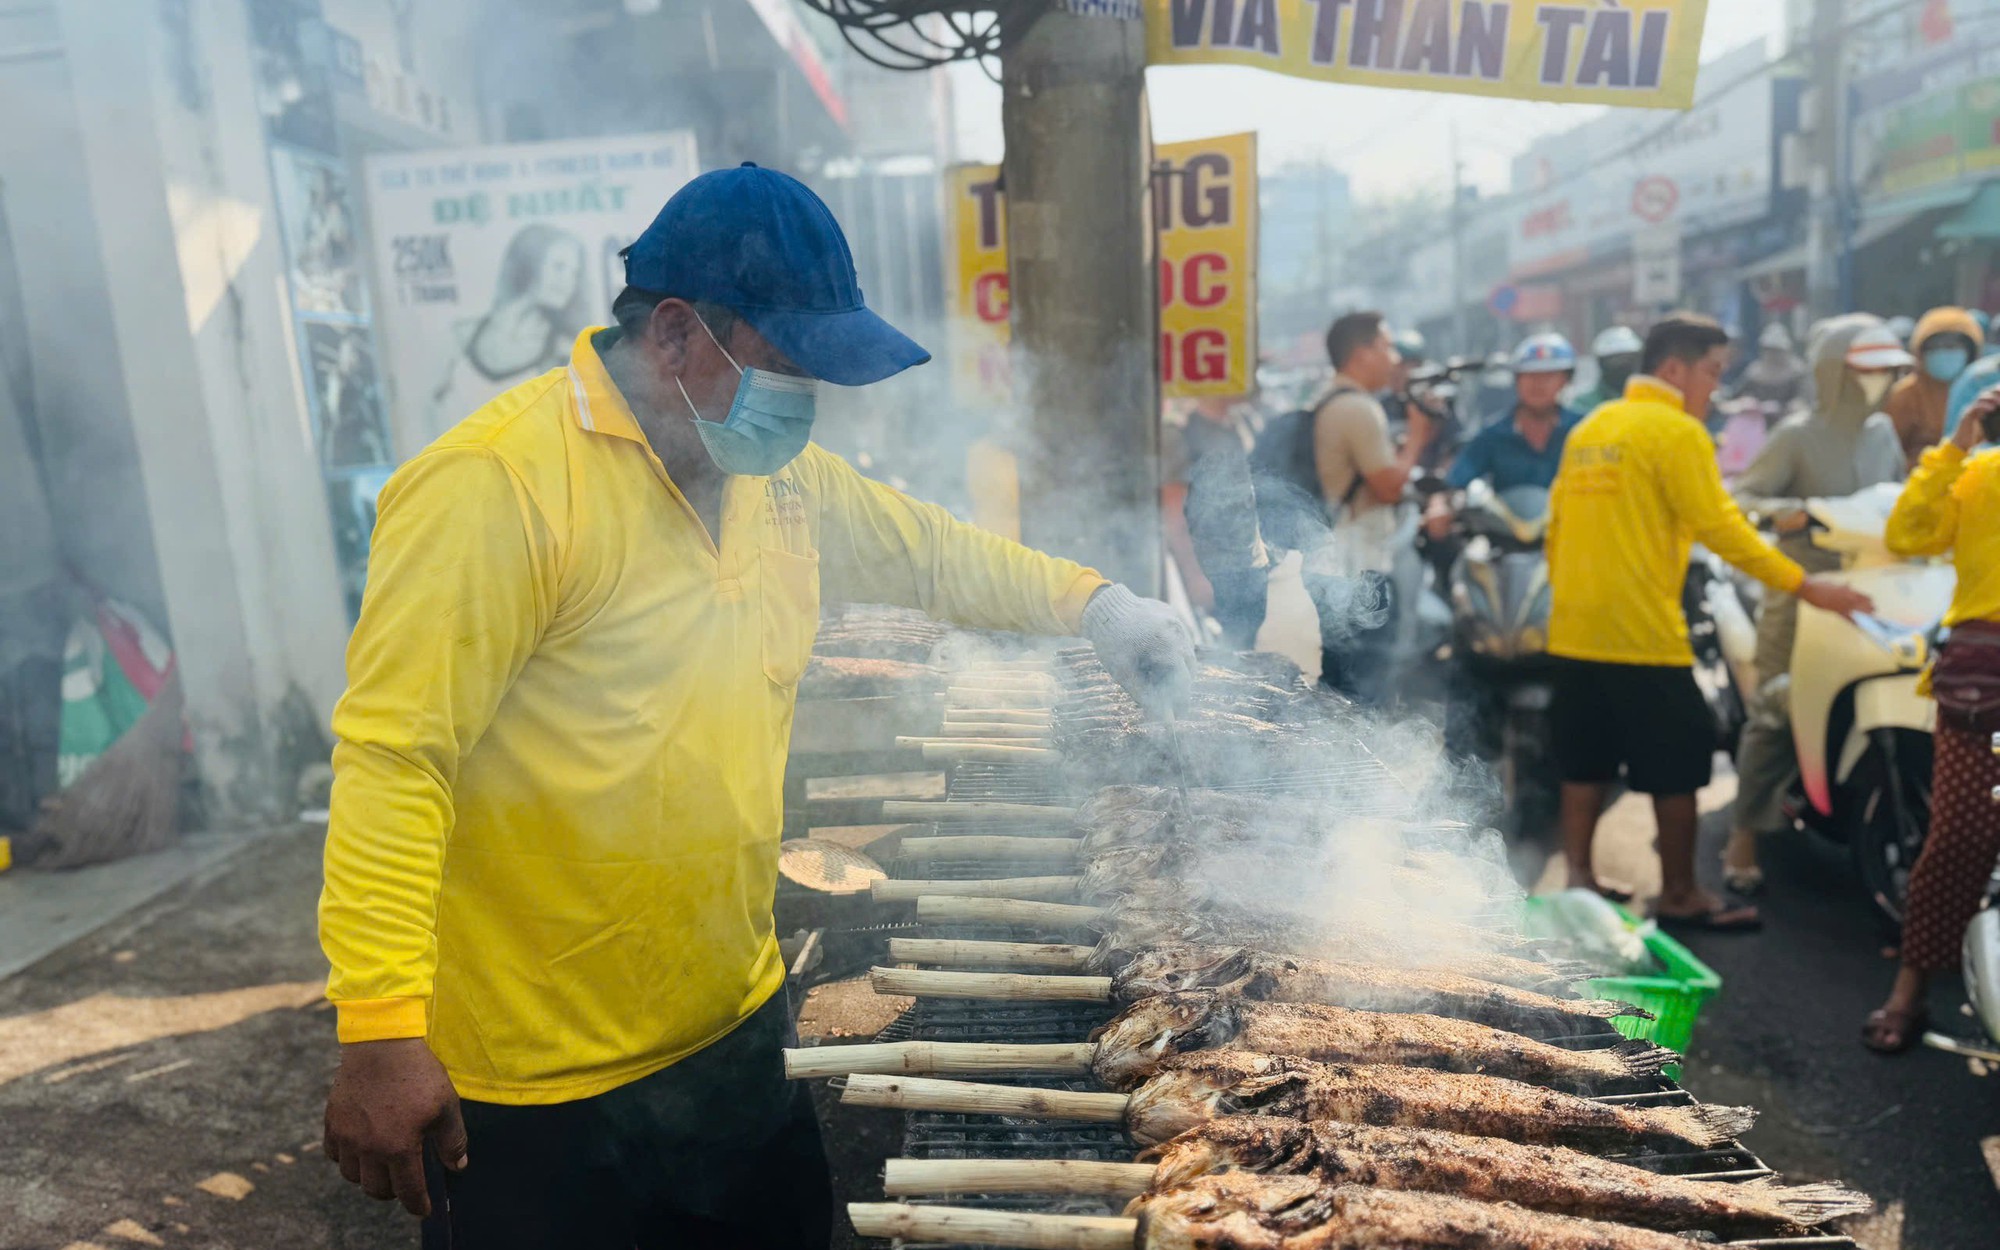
x,y
160,1082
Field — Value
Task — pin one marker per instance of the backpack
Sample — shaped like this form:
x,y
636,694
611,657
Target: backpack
x,y
1284,471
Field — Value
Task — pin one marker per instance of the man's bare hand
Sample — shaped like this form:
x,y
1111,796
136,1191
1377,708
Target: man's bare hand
x,y
388,1099
1832,596
1791,521
1972,425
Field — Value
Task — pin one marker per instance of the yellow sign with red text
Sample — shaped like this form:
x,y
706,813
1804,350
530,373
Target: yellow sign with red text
x,y
1205,213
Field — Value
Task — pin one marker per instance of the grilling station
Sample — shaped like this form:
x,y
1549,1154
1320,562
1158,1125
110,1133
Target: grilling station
x,y
1232,982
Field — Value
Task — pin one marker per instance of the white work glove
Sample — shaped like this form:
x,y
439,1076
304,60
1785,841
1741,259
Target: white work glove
x,y
1143,644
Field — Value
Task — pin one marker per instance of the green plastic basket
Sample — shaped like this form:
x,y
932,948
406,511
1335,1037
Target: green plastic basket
x,y
1675,996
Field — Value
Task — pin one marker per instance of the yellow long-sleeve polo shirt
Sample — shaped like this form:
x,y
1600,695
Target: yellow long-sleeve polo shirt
x,y
1639,484
1952,503
559,765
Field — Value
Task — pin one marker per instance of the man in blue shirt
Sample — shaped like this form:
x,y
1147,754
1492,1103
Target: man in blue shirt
x,y
1525,447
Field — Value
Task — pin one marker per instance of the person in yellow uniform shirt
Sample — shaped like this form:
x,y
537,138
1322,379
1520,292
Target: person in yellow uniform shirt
x,y
1639,483
1952,503
559,761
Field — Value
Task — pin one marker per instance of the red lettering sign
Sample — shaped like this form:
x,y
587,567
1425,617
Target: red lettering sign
x,y
990,297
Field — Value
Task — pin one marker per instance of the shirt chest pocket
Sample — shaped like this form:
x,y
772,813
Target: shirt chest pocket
x,y
790,612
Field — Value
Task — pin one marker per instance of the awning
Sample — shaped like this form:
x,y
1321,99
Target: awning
x,y
1865,234
1779,262
1977,220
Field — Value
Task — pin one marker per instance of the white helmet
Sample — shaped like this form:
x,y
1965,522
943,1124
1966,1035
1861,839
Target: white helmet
x,y
1616,341
1547,352
1775,337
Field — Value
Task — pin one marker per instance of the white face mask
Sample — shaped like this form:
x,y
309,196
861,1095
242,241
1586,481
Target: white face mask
x,y
1873,386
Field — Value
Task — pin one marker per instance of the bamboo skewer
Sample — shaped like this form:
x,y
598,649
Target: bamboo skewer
x,y
1039,889
911,1177
1019,700
933,909
940,1058
1036,718
995,847
1014,986
908,742
920,811
956,753
1046,957
958,1225
992,729
918,1093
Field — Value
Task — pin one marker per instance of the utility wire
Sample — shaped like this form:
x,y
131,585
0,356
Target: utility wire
x,y
923,34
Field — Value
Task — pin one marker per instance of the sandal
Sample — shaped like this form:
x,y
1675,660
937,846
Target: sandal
x,y
1890,1032
1742,878
1721,918
1615,893
1746,881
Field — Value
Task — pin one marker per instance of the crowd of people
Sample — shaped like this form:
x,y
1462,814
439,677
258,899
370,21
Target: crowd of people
x,y
1668,446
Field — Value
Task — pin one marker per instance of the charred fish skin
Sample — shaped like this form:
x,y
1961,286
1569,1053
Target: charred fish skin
x,y
1138,972
1248,1212
1192,1089
1131,1046
1542,1178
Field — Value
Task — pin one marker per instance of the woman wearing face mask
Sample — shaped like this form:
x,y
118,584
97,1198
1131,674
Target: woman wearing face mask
x,y
1945,342
1842,446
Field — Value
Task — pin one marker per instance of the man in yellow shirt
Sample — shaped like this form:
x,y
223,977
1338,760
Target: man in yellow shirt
x,y
1639,484
558,776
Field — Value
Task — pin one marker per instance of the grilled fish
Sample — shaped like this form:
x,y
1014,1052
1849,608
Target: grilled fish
x,y
1134,922
1247,1212
1193,1089
1139,969
1130,1047
1543,1178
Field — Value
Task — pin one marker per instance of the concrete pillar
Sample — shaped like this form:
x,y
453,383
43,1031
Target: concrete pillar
x,y
1084,286
198,338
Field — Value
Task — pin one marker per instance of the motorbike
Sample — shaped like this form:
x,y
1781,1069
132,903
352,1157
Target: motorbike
x,y
1981,968
1862,732
1500,602
1724,641
1746,426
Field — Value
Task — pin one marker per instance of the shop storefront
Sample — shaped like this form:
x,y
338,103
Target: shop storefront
x,y
1924,167
1629,216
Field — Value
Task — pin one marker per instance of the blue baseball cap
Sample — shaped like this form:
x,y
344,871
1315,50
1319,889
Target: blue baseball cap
x,y
762,245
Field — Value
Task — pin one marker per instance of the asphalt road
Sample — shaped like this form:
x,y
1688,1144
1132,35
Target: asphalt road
x,y
1784,1036
168,1072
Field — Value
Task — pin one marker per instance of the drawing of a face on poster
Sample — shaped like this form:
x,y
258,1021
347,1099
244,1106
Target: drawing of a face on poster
x,y
542,298
538,306
346,396
317,208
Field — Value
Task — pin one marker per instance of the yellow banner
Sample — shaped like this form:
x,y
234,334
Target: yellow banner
x,y
978,330
1205,202
1639,53
1205,211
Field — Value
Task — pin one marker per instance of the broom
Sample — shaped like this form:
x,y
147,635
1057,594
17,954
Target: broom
x,y
127,800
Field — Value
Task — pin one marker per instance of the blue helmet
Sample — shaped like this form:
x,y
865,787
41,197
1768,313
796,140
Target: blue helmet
x,y
1544,353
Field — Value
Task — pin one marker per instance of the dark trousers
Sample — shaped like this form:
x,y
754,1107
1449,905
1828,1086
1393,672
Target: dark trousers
x,y
1952,870
717,1152
1357,635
